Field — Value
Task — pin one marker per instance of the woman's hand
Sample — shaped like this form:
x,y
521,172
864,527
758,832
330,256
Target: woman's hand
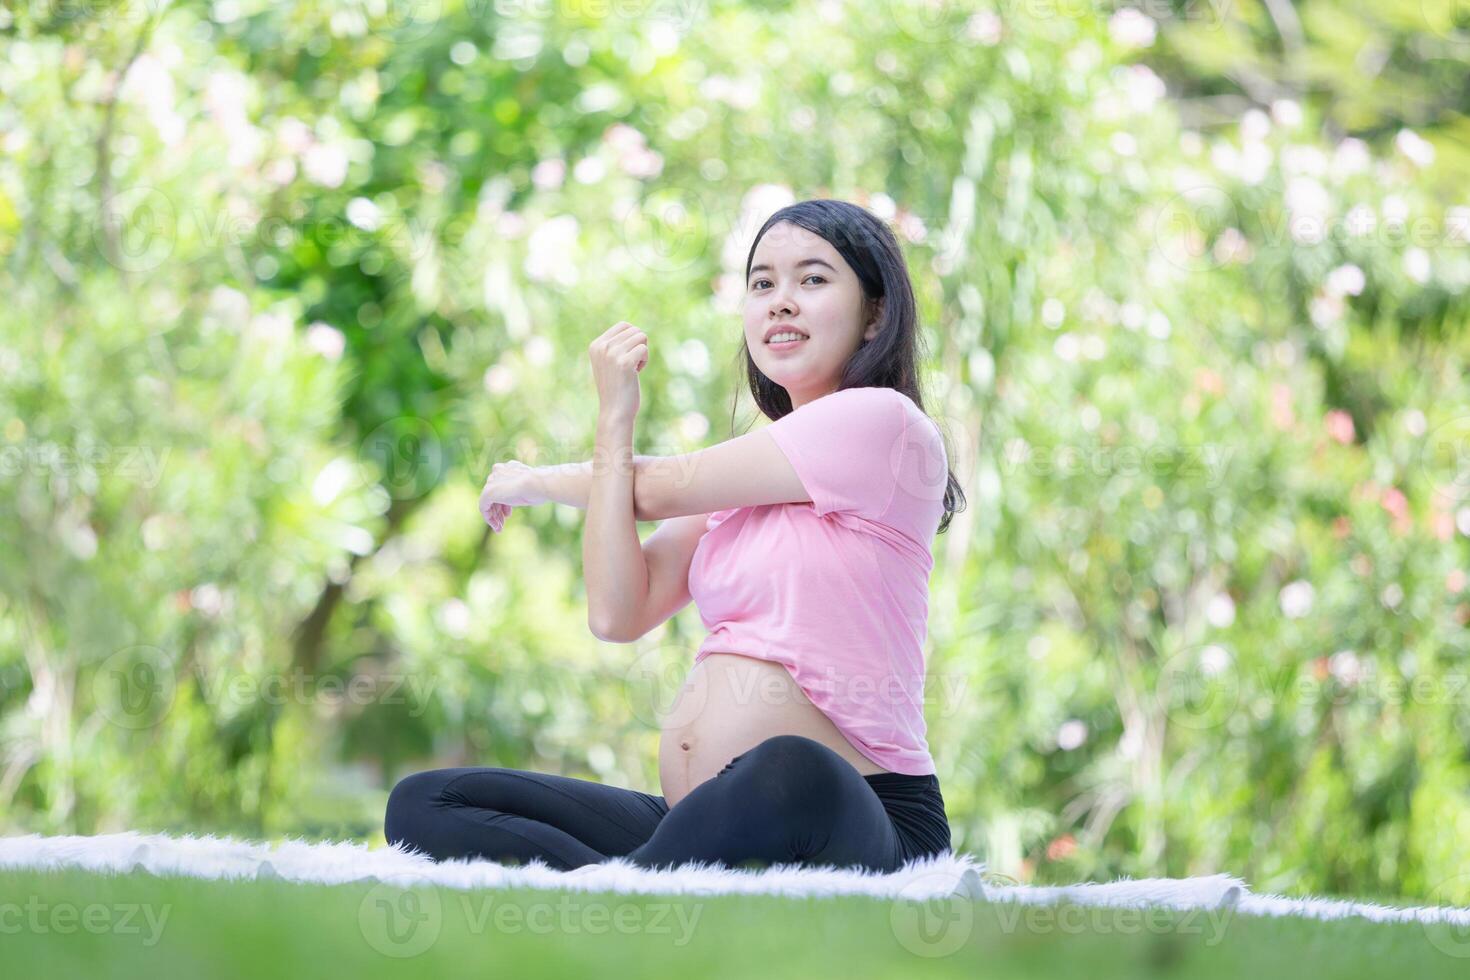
x,y
510,484
617,356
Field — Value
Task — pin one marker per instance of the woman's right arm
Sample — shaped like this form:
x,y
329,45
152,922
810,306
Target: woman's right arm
x,y
571,483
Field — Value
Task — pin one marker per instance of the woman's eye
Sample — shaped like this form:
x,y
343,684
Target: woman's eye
x,y
814,275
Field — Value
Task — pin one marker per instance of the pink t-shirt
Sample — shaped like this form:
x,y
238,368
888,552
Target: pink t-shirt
x,y
837,589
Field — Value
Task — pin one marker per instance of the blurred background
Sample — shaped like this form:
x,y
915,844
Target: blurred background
x,y
281,282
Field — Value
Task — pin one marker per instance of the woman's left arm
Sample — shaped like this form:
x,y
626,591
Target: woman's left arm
x,y
613,566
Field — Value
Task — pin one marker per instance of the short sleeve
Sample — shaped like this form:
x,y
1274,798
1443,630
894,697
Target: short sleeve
x,y
848,449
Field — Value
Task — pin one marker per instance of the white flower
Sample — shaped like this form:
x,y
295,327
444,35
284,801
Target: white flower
x,y
1255,161
1360,220
364,214
642,162
1220,610
149,84
1326,309
1255,125
334,478
1132,314
326,340
693,356
1286,112
1351,157
1213,659
1345,666
984,27
1296,599
1144,88
539,350
589,170
1066,347
1308,205
1053,311
207,599
550,250
1307,160
325,164
293,134
911,226
1131,27
1416,265
454,617
499,379
1072,734
693,426
1345,280
759,203
224,99
549,174
1419,150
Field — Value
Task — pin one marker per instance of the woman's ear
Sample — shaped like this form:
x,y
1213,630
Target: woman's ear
x,y
871,328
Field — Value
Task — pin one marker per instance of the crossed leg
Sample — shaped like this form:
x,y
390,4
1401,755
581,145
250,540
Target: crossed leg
x,y
788,800
515,816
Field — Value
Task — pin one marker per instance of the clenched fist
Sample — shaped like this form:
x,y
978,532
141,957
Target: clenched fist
x,y
617,356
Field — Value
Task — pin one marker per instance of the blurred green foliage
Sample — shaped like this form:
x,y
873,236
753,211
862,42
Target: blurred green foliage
x,y
282,282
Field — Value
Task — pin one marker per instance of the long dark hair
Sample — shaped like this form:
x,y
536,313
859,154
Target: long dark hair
x,y
890,359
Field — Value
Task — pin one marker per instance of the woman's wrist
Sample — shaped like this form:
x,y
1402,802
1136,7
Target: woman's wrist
x,y
614,425
571,483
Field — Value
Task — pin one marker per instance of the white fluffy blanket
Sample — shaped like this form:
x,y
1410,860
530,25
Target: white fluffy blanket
x,y
936,877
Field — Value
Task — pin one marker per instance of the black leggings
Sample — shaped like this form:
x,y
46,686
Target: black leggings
x,y
788,800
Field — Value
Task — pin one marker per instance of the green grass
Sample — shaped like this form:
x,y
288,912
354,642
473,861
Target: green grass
x,y
75,923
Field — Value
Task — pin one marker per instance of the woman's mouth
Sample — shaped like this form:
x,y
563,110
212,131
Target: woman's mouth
x,y
785,341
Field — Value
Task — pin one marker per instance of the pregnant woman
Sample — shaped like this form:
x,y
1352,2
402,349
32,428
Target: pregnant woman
x,y
798,736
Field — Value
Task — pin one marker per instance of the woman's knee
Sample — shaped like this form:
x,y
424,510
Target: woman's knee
x,y
795,752
409,803
793,770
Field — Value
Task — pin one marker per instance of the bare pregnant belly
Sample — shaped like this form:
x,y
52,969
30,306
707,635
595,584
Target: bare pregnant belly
x,y
731,703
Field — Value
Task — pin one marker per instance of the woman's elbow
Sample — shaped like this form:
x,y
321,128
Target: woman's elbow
x,y
610,632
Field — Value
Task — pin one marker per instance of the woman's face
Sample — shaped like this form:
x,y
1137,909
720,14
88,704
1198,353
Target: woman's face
x,y
798,278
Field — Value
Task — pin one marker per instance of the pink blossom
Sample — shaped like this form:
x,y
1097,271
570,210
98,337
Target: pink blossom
x,y
1340,426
